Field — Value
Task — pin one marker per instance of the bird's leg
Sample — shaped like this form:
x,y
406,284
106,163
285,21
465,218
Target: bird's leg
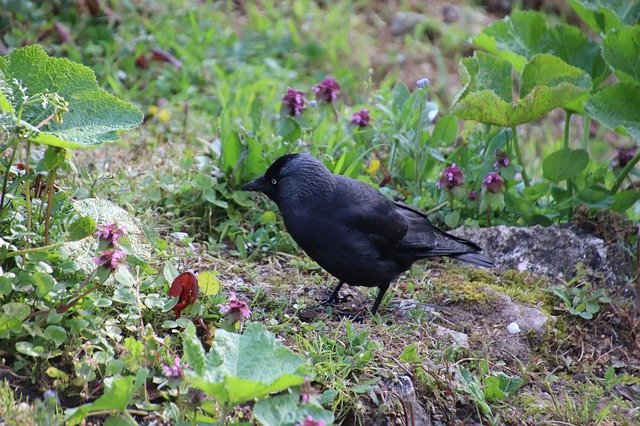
x,y
333,296
382,290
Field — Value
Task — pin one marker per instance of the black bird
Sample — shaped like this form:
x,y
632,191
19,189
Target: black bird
x,y
351,230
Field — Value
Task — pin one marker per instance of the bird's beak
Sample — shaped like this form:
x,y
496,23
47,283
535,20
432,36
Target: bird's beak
x,y
259,185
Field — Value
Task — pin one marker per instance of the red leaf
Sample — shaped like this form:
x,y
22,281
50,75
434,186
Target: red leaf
x,y
185,287
163,56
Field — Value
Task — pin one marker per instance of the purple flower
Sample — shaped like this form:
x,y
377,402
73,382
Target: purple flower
x,y
110,259
493,182
623,156
502,160
307,391
111,232
361,118
174,371
236,308
327,90
451,177
473,196
310,421
294,100
423,82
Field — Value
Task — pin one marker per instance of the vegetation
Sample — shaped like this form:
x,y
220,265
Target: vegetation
x,y
123,146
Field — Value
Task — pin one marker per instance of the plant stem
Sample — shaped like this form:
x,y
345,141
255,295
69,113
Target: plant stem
x,y
33,250
516,148
47,218
586,130
418,139
6,173
625,172
223,415
28,189
567,127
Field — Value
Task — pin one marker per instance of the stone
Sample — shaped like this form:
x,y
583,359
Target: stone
x,y
405,22
405,392
456,338
506,311
553,251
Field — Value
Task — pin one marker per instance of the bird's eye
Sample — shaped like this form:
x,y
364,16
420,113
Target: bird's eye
x,y
273,181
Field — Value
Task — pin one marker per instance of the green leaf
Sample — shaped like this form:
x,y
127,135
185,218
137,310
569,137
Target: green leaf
x,y
621,50
399,94
81,228
18,310
27,348
53,157
242,367
524,34
94,116
624,200
565,164
603,15
209,283
445,131
536,191
56,334
612,106
286,410
410,353
117,395
452,218
547,83
231,150
492,389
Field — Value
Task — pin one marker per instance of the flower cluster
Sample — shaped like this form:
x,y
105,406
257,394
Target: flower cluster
x,y
173,371
111,259
327,90
493,182
502,160
451,178
294,101
236,308
623,156
361,118
110,233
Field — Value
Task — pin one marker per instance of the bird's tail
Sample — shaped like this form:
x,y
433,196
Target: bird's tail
x,y
477,259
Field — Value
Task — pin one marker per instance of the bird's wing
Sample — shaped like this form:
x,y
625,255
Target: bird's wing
x,y
426,240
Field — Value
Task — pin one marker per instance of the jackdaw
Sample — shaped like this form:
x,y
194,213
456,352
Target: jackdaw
x,y
350,229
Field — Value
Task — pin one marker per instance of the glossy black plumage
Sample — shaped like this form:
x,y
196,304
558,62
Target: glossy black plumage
x,y
350,229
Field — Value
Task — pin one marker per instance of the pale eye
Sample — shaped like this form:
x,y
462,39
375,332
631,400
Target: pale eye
x,y
273,181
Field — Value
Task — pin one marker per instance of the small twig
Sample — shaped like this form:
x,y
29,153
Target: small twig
x,y
103,412
45,121
47,219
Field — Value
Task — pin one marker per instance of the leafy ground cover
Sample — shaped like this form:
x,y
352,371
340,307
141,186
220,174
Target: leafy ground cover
x,y
101,319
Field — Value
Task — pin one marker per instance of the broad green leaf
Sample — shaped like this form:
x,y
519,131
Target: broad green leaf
x,y
208,282
603,15
53,157
524,34
117,395
231,150
565,164
56,334
27,348
286,410
445,131
399,94
547,83
94,116
241,367
625,200
81,228
17,310
616,107
621,50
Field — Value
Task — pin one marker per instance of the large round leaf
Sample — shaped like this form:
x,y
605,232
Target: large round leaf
x,y
616,107
565,164
94,116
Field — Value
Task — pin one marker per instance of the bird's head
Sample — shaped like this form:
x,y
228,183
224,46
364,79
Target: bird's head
x,y
294,180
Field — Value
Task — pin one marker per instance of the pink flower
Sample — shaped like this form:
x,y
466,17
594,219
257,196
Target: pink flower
x,y
502,160
493,182
327,90
623,156
111,232
110,258
174,371
294,100
361,118
451,177
310,421
236,308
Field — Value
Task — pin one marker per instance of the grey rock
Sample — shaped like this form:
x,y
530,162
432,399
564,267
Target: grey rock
x,y
507,311
455,338
553,251
405,22
414,412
